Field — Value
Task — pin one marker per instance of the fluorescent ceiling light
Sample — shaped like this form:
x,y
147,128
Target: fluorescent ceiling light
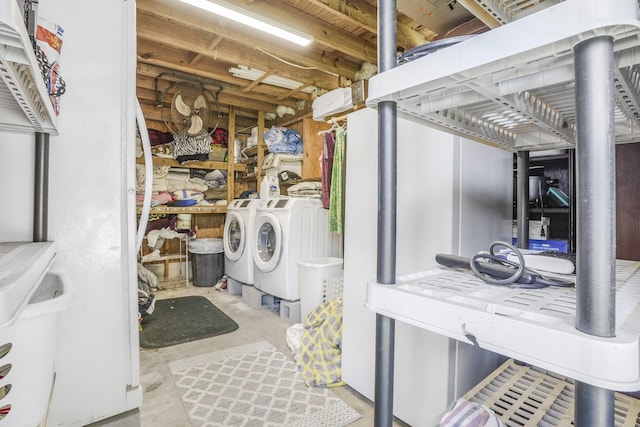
x,y
253,20
252,74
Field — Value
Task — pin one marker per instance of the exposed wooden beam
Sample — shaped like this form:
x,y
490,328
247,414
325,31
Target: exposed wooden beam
x,y
293,91
154,29
257,81
211,46
364,15
176,61
325,61
244,108
228,96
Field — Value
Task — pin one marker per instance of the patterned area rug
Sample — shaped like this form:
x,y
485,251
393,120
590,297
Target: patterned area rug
x,y
254,385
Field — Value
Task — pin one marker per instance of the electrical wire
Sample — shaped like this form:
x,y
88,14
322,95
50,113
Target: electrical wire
x,y
302,67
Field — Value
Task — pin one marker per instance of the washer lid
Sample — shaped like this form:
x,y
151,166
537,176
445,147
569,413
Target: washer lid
x,y
268,242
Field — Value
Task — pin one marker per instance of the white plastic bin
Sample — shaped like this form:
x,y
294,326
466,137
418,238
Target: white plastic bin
x,y
320,280
27,349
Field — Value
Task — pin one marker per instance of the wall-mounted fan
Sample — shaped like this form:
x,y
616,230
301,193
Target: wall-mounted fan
x,y
191,119
190,108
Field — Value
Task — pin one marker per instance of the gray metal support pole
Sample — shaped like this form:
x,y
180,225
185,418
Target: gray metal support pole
x,y
522,200
41,188
386,255
596,234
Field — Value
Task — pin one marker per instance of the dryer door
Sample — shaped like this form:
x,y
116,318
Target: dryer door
x,y
268,243
235,236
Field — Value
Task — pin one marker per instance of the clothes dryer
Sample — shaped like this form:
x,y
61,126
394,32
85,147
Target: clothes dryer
x,y
238,240
289,229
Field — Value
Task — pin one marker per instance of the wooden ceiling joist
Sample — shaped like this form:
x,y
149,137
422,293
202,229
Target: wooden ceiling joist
x,y
165,15
175,39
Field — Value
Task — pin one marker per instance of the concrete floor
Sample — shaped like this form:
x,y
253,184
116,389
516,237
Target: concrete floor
x,y
162,405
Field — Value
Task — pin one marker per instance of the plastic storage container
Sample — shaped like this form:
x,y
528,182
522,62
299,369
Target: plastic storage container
x,y
320,281
27,349
207,261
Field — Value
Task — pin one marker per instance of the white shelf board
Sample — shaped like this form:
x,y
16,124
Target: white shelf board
x,y
24,102
22,268
513,86
536,326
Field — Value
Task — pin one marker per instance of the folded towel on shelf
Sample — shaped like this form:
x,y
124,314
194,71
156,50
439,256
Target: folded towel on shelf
x,y
312,189
187,195
216,178
181,179
159,178
274,160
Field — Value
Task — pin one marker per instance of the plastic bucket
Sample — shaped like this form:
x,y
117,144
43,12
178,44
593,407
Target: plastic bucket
x,y
207,261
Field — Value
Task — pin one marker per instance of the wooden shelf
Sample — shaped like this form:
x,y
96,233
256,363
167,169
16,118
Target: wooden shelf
x,y
163,209
252,151
162,161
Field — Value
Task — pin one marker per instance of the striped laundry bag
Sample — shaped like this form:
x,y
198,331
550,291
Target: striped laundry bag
x,y
470,414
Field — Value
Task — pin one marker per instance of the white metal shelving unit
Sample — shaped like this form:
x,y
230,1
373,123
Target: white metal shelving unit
x,y
568,72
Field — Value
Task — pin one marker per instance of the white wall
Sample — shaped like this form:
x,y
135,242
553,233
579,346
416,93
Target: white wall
x,y
90,216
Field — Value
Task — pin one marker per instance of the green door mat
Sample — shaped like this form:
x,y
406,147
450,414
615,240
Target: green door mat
x,y
179,320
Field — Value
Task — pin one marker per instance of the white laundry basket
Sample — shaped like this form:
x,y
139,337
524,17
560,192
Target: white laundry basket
x,y
27,348
320,280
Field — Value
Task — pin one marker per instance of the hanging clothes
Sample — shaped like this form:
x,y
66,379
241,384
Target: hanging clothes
x,y
327,166
336,194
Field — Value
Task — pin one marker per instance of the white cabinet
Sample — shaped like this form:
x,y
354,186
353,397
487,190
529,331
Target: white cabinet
x,y
536,83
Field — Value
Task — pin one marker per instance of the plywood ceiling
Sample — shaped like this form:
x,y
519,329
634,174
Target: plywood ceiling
x,y
177,42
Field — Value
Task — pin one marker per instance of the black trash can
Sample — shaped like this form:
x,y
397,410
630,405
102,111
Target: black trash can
x,y
207,261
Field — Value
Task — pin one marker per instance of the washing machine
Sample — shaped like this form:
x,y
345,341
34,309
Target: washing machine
x,y
289,229
238,240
